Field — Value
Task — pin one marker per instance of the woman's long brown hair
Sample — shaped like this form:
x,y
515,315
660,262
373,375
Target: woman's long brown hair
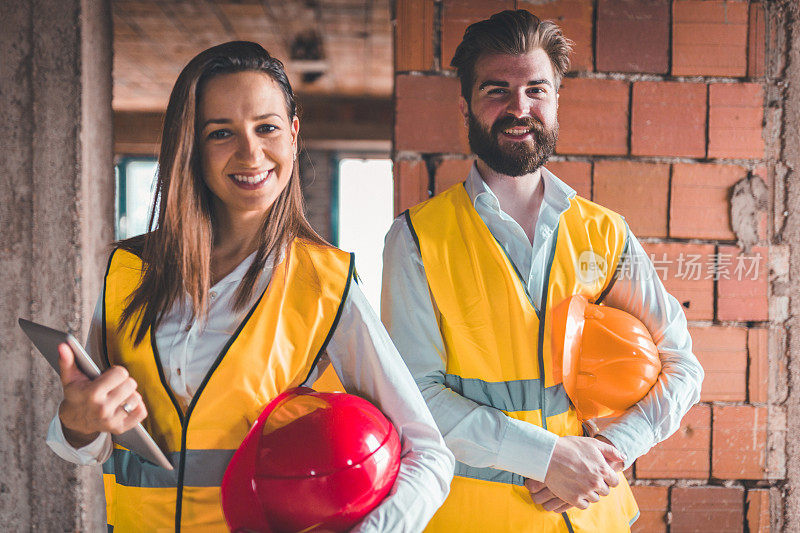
x,y
176,252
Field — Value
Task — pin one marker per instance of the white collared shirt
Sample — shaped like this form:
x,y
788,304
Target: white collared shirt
x,y
366,362
482,436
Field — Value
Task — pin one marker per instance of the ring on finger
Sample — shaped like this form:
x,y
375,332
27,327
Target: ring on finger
x,y
127,408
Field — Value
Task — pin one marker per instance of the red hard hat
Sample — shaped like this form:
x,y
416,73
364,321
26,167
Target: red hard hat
x,y
311,460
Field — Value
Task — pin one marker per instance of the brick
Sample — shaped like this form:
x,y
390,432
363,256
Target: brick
x,y
740,440
669,118
700,204
427,118
575,19
449,172
705,509
633,36
593,117
676,265
756,41
414,35
410,184
685,454
757,508
758,356
743,293
457,15
653,502
722,351
576,174
735,120
709,38
637,191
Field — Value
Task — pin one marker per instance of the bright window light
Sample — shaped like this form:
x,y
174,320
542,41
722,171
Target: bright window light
x,y
137,181
366,207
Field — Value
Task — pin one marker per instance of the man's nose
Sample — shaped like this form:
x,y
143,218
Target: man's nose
x,y
519,105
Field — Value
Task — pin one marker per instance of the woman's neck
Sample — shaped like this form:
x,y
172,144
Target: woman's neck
x,y
235,238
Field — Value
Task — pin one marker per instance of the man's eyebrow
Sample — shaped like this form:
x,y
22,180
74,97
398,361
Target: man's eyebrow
x,y
497,83
228,121
492,83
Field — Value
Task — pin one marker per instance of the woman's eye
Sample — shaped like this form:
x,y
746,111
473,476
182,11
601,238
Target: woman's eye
x,y
266,128
219,134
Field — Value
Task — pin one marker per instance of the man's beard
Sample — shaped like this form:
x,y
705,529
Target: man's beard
x,y
514,158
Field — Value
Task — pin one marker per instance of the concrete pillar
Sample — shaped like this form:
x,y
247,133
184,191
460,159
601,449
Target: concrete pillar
x,y
784,139
56,220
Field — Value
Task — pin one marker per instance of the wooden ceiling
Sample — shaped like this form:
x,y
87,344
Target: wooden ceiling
x,y
153,40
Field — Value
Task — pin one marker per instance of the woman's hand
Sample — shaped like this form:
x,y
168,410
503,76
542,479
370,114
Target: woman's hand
x,y
109,403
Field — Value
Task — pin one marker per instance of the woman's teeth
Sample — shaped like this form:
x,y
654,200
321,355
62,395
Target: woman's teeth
x,y
258,178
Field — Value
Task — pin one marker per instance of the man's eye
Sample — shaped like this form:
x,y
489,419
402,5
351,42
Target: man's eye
x,y
266,128
219,134
497,91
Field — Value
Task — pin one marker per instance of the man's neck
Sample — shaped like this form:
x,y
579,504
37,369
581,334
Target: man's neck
x,y
519,196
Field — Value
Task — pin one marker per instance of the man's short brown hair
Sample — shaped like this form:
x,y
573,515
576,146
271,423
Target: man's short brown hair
x,y
510,32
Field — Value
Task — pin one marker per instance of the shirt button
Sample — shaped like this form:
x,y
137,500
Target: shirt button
x,y
178,371
213,294
188,327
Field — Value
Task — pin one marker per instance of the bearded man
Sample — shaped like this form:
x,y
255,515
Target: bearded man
x,y
470,278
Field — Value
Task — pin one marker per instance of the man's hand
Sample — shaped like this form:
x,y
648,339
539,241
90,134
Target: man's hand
x,y
581,471
543,496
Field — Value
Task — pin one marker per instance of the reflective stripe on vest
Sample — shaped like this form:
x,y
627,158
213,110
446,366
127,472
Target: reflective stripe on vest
x,y
517,395
275,347
498,349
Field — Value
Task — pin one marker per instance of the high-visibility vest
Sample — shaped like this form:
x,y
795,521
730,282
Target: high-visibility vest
x,y
274,348
498,354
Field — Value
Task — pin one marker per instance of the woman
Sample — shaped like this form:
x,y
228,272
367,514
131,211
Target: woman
x,y
229,300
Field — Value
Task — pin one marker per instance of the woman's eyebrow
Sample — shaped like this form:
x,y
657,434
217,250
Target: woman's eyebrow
x,y
228,121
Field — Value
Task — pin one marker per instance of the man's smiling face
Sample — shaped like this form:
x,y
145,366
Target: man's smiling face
x,y
512,115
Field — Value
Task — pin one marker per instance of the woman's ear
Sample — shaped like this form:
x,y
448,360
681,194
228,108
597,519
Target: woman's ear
x,y
295,132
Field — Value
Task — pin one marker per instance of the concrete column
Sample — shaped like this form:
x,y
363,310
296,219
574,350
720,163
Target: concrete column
x,y
56,220
784,139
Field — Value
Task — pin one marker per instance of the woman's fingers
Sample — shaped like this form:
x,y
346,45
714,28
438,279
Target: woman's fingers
x,y
68,370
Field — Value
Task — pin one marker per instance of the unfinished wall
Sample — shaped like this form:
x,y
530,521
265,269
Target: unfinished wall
x,y
56,218
662,119
783,152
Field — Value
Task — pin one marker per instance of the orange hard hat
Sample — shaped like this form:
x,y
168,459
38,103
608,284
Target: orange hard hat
x,y
605,357
313,460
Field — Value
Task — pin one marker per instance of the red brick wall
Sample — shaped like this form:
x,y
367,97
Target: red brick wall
x,y
660,118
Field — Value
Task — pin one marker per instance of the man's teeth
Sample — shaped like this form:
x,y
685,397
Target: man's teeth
x,y
516,131
251,179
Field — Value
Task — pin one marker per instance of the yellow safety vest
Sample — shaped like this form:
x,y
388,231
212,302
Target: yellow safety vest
x,y
498,349
274,348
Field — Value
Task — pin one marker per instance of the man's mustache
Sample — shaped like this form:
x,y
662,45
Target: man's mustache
x,y
513,122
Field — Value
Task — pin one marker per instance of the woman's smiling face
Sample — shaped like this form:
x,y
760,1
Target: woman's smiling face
x,y
247,140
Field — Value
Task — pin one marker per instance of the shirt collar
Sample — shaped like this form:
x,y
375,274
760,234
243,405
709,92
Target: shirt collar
x,y
557,194
237,274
